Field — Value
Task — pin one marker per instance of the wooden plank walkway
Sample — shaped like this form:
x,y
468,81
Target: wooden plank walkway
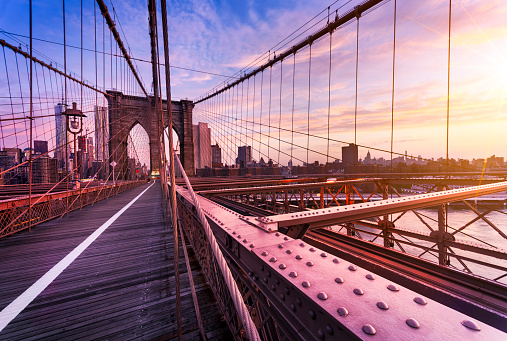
x,y
120,288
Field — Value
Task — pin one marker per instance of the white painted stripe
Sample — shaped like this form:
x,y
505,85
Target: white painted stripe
x,y
23,300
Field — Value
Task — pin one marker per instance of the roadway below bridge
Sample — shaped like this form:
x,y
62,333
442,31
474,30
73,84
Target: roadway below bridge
x,y
90,276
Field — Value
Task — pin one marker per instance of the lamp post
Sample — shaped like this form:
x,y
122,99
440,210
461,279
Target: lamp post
x,y
74,120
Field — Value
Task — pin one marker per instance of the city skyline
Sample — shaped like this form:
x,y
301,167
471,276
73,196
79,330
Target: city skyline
x,y
477,71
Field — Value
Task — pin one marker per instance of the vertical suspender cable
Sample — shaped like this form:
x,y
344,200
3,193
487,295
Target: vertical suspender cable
x,y
65,105
260,116
292,117
392,94
153,25
308,114
448,86
245,123
448,99
269,109
253,111
172,180
357,68
329,94
280,115
31,129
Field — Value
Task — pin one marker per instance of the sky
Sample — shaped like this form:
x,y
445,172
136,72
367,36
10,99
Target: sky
x,y
223,37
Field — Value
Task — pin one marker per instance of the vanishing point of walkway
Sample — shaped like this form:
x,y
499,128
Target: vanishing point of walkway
x,y
120,287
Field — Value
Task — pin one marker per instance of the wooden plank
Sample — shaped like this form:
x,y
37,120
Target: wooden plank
x,y
120,288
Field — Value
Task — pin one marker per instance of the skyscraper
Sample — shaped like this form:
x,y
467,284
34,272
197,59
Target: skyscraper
x,y
350,155
63,137
40,147
216,156
244,156
202,145
101,134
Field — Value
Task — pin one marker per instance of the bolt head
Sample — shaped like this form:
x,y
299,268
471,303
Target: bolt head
x,y
339,280
322,296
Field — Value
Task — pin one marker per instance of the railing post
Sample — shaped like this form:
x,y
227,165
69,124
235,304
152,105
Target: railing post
x,y
322,197
385,223
302,200
443,259
348,201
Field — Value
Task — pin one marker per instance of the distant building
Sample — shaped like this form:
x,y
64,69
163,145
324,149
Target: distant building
x,y
202,145
101,134
40,147
244,156
63,138
10,157
216,156
350,155
45,170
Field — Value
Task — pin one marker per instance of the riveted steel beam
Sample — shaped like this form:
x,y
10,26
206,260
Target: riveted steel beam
x,y
319,296
351,213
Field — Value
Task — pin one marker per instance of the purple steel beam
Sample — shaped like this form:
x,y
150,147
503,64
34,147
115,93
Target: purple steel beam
x,y
349,213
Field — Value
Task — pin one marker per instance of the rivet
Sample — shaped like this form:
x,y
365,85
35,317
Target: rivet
x,y
323,254
282,266
293,274
413,323
313,316
293,307
277,234
312,249
299,257
265,253
285,238
368,329
321,334
471,325
262,267
233,232
289,251
298,302
302,244
306,284
393,287
245,240
287,290
265,279
329,329
342,311
250,273
239,236
277,281
420,300
339,280
280,246
322,295
358,291
268,274
273,287
252,246
352,267
273,259
336,261
309,263
282,297
370,277
382,305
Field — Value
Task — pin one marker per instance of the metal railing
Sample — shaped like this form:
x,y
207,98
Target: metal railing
x,y
17,214
437,238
